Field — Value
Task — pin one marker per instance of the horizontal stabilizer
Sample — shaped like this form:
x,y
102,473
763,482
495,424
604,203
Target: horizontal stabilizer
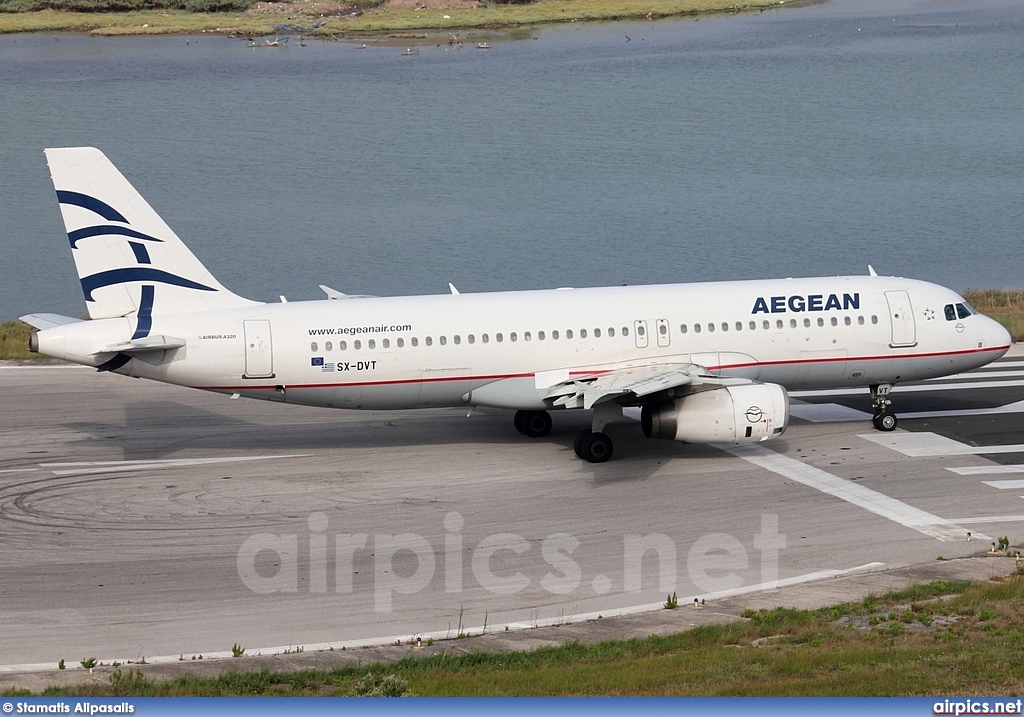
x,y
149,343
48,321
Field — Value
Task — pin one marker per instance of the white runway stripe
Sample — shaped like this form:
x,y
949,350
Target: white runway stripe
x,y
870,500
926,445
986,470
94,467
1005,484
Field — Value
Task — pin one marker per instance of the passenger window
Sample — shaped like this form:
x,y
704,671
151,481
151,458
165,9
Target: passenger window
x,y
696,328
554,335
847,321
874,319
711,328
753,325
765,325
611,332
428,341
401,343
625,331
725,326
371,344
526,336
835,321
663,329
357,344
313,346
414,341
499,338
457,339
328,346
640,330
386,343
568,333
962,312
682,328
583,334
342,345
540,335
807,323
597,333
512,337
484,338
950,312
443,340
778,323
821,321
860,320
471,338
792,323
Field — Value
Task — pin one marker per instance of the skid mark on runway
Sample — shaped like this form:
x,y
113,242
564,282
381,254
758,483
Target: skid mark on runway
x,y
878,503
82,468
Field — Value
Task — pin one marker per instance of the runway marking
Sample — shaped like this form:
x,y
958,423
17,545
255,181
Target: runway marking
x,y
878,503
929,445
94,467
978,374
837,413
986,470
20,470
1005,484
990,519
911,388
560,619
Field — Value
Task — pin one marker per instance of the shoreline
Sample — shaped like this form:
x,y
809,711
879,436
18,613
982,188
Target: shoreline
x,y
307,18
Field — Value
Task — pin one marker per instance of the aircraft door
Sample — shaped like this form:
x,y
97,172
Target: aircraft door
x,y
259,354
901,313
664,337
640,333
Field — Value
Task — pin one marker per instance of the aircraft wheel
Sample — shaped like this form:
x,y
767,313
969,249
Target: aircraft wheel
x,y
518,421
577,445
596,448
885,421
536,424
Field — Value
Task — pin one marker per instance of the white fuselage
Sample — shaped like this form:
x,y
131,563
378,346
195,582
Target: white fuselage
x,y
504,349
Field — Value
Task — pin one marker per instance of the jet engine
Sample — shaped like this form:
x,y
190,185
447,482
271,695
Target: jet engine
x,y
746,413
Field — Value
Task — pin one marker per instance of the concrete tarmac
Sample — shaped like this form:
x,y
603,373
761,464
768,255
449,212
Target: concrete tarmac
x,y
143,520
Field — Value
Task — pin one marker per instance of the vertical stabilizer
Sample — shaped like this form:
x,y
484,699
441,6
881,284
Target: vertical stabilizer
x,y
128,260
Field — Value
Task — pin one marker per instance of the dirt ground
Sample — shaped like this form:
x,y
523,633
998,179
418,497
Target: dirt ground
x,y
318,8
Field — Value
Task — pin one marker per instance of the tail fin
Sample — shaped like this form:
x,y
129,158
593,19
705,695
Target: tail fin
x,y
128,259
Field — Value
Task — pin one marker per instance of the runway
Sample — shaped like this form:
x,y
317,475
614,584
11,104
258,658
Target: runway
x,y
138,519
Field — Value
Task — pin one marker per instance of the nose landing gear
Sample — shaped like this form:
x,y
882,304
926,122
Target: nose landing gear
x,y
884,419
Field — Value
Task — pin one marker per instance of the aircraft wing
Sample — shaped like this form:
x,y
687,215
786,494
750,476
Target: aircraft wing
x,y
630,386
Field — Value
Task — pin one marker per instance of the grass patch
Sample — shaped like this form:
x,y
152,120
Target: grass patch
x,y
113,17
941,638
14,341
1004,305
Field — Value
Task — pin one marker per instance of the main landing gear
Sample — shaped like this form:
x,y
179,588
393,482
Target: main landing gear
x,y
884,419
591,444
535,424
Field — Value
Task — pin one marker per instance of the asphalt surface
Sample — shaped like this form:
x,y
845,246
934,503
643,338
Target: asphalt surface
x,y
141,520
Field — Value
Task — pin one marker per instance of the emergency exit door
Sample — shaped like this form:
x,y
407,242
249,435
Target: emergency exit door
x,y
901,314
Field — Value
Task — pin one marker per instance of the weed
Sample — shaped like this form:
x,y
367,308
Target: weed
x,y
672,602
237,650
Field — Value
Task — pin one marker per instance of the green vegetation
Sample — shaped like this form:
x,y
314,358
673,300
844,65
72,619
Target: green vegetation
x,y
119,17
1005,306
940,638
14,341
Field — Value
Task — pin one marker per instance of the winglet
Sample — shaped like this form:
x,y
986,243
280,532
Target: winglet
x,y
871,271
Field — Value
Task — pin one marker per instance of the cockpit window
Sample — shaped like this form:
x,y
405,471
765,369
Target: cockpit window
x,y
962,311
950,312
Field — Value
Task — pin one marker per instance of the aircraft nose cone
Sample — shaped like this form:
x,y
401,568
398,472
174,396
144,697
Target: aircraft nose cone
x,y
997,335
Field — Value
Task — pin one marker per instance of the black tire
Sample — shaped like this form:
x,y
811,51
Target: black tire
x,y
886,421
577,445
518,421
536,424
596,448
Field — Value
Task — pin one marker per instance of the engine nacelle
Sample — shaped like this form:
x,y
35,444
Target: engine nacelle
x,y
730,414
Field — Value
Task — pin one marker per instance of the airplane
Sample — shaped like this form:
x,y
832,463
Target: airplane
x,y
703,362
